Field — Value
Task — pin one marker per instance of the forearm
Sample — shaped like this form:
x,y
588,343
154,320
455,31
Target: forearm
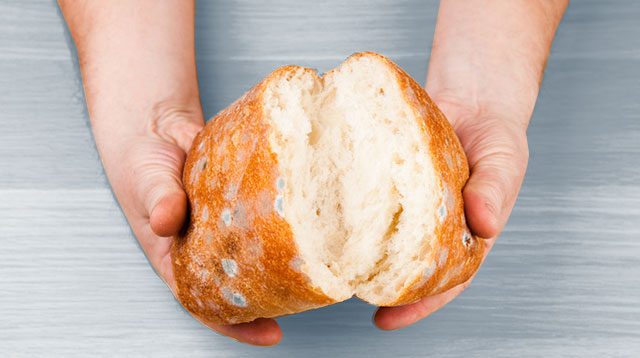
x,y
136,57
138,67
492,53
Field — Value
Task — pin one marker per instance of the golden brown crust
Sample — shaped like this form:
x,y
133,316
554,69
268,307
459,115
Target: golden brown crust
x,y
238,259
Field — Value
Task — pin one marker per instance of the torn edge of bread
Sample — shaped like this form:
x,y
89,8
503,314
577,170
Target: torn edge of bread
x,y
359,188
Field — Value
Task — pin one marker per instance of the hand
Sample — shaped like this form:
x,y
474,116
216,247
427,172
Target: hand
x,y
486,65
497,152
138,69
146,178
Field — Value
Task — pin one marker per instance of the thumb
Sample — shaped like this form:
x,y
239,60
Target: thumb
x,y
498,156
163,194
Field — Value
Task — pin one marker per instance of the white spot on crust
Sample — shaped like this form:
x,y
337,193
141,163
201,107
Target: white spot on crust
x,y
195,292
230,267
442,212
204,214
199,303
221,148
426,275
241,155
226,217
240,217
447,157
209,238
443,257
428,272
278,205
204,275
444,280
280,184
448,198
232,191
235,298
255,250
196,259
213,306
466,239
459,269
296,263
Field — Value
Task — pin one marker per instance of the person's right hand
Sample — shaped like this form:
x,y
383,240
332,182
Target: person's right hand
x,y
497,152
146,178
138,68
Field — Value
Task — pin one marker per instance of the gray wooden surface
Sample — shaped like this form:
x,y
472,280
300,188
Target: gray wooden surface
x,y
563,279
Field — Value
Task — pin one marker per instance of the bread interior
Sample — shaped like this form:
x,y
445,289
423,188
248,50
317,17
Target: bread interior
x,y
356,177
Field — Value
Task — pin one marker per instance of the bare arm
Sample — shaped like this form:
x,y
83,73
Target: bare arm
x,y
487,62
493,53
139,72
138,68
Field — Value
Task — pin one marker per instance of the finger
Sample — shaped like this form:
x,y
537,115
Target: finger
x,y
389,318
183,133
498,157
169,214
497,151
155,182
168,205
176,123
160,173
261,332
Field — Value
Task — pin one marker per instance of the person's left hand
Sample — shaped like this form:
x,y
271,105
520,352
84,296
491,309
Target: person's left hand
x,y
485,70
498,153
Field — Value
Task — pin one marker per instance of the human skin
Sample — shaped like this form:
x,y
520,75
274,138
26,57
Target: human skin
x,y
137,60
487,62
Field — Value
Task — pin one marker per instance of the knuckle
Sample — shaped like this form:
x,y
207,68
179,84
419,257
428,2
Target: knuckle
x,y
170,116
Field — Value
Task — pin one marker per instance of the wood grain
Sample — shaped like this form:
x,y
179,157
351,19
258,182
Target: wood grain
x,y
563,279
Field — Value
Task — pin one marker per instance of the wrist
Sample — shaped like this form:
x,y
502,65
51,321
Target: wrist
x,y
462,107
489,56
137,61
477,82
128,93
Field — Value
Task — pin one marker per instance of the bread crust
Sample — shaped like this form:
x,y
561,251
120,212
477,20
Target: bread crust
x,y
237,258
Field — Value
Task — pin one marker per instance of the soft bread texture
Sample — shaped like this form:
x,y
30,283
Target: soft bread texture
x,y
309,190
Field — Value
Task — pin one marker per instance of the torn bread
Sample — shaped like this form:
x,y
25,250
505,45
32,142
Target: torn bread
x,y
309,190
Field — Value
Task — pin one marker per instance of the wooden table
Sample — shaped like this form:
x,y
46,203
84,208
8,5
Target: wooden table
x,y
563,279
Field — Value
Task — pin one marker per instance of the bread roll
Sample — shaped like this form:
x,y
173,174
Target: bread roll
x,y
309,190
